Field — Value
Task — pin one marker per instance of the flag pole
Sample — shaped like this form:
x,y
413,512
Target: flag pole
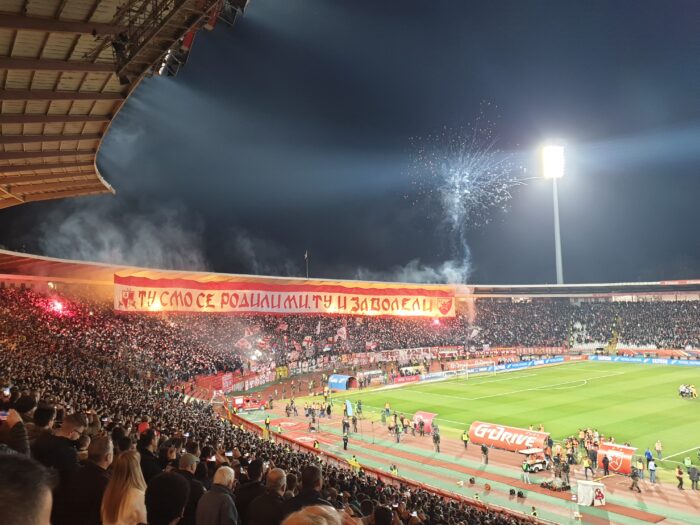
x,y
306,259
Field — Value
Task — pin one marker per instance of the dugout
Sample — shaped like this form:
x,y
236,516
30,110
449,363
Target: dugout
x,y
341,382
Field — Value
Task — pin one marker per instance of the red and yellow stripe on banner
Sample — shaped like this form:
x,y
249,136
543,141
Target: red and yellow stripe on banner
x,y
267,296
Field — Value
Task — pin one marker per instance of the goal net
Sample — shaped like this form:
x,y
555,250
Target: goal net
x,y
479,367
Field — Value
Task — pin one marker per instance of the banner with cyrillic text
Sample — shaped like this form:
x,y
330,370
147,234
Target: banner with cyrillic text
x,y
140,294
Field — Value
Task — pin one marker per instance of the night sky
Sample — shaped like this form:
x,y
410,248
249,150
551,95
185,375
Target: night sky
x,y
293,131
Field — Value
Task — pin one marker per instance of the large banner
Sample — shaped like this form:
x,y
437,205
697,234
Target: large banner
x,y
140,294
620,457
506,438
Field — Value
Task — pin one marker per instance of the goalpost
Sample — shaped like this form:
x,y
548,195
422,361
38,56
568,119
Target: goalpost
x,y
488,366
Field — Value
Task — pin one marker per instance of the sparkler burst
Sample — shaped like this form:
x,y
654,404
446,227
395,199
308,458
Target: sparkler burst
x,y
469,176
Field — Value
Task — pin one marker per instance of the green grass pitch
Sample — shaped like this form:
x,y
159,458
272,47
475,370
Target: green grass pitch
x,y
633,403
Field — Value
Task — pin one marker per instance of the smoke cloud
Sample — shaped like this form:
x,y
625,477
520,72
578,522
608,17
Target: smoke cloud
x,y
259,256
116,232
448,272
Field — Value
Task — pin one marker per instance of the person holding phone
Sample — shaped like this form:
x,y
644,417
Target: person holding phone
x,y
13,433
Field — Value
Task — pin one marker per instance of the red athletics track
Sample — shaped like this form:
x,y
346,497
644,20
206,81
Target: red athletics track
x,y
665,495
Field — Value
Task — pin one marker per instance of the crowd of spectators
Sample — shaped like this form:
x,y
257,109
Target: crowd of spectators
x,y
90,399
561,322
92,396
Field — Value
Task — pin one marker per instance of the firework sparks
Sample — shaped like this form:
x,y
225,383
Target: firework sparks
x,y
468,175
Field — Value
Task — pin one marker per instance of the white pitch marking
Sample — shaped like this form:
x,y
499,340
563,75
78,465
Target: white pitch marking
x,y
679,453
541,387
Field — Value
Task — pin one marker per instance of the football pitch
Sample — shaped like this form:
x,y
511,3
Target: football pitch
x,y
633,403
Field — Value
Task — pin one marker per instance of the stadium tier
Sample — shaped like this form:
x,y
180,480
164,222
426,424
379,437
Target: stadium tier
x,y
197,394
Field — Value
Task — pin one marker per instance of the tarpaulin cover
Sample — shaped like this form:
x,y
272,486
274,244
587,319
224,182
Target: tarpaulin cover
x,y
341,382
620,457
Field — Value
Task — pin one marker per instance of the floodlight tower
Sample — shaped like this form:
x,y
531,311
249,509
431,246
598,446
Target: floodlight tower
x,y
553,168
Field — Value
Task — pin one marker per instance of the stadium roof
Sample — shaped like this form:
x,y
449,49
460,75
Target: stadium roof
x,y
34,267
66,68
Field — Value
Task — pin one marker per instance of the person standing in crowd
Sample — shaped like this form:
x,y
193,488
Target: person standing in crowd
x,y
79,503
58,450
465,439
187,468
251,489
345,440
526,472
652,470
43,421
123,502
436,441
659,448
648,456
268,508
694,476
565,472
485,454
587,466
25,491
147,446
679,477
635,480
606,465
217,506
310,494
13,433
166,497
640,468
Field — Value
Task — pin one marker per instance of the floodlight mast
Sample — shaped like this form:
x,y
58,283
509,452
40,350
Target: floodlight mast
x,y
553,168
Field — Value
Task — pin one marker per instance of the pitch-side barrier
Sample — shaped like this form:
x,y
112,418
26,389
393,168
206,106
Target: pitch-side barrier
x,y
505,367
644,360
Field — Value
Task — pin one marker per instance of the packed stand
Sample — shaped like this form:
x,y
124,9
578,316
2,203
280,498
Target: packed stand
x,y
88,400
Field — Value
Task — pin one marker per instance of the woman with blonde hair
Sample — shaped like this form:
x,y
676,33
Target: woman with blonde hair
x,y
123,502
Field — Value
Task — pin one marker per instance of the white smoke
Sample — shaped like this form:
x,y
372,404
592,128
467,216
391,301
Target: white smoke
x,y
108,231
260,256
448,272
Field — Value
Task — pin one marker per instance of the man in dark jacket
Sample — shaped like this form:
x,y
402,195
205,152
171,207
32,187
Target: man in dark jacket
x,y
59,450
147,446
694,476
311,485
268,509
187,468
248,491
79,502
44,418
217,507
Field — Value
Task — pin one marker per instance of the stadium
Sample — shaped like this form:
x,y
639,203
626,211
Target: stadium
x,y
136,394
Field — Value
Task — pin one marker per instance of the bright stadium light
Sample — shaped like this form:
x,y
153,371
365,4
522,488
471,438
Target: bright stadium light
x,y
553,161
553,164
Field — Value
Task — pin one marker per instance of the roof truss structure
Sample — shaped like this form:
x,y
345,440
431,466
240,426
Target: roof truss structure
x,y
66,68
